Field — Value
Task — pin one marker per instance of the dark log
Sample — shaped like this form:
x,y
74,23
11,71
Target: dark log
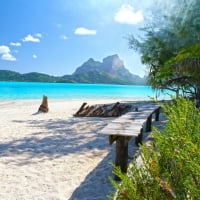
x,y
105,110
80,109
115,112
91,110
121,159
98,111
44,106
85,112
115,105
95,111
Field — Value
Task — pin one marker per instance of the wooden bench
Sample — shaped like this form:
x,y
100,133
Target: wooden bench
x,y
129,125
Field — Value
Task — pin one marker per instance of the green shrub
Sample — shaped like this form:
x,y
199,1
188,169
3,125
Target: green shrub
x,y
171,164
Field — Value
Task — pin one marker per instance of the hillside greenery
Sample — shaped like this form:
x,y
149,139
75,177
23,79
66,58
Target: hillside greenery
x,y
89,77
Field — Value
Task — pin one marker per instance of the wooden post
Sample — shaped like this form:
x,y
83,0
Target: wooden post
x,y
121,159
44,106
157,112
138,139
148,124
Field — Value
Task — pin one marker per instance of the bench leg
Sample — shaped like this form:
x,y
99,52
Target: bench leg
x,y
148,125
157,113
121,159
138,139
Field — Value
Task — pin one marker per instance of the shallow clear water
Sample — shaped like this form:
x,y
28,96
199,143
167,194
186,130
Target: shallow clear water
x,y
35,90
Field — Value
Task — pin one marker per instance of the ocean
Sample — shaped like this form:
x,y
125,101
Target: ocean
x,y
35,90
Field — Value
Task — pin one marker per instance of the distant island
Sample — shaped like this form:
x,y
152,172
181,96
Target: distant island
x,y
110,71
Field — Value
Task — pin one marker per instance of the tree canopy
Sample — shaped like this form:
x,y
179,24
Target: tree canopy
x,y
170,48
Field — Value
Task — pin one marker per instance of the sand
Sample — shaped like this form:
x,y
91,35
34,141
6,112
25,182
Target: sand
x,y
53,156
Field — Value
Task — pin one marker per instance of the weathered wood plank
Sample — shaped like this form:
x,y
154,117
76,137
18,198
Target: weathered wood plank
x,y
131,123
126,126
123,126
121,132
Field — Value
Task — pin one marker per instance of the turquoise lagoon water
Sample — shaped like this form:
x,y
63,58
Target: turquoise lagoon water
x,y
35,90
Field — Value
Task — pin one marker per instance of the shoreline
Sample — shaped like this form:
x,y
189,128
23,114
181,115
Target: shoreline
x,y
54,155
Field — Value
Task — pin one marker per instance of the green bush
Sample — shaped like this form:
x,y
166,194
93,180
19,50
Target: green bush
x,y
171,164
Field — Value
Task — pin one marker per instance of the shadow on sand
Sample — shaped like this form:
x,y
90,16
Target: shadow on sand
x,y
56,139
62,137
98,179
96,185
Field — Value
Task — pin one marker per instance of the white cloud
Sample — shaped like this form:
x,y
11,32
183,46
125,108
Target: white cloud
x,y
34,38
8,56
5,53
84,31
4,49
39,35
17,44
127,15
34,56
64,37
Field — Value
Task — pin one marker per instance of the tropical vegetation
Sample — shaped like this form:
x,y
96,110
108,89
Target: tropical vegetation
x,y
170,167
170,48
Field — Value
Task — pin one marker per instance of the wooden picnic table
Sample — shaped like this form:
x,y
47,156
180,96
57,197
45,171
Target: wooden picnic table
x,y
129,125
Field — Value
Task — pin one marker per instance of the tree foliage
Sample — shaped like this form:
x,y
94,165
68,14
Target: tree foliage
x,y
171,164
171,48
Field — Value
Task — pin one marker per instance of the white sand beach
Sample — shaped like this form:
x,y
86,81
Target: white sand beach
x,y
53,156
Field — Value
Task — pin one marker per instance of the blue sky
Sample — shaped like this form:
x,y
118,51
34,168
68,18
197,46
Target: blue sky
x,y
57,36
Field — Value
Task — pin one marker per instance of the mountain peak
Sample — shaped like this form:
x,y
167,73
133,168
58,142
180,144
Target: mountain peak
x,y
112,63
111,66
89,65
90,60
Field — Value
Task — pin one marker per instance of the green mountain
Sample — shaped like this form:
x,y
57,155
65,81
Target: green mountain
x,y
6,75
110,71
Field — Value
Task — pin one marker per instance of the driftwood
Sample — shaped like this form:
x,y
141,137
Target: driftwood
x,y
102,110
44,106
80,109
